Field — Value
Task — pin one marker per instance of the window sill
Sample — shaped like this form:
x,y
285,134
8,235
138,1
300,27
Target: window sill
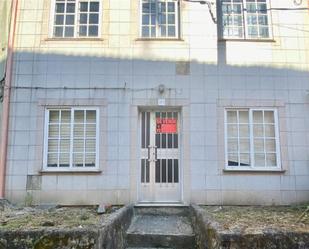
x,y
75,39
263,171
159,39
246,40
94,171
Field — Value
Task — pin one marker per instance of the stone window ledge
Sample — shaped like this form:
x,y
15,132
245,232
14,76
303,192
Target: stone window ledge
x,y
274,171
74,39
246,40
47,172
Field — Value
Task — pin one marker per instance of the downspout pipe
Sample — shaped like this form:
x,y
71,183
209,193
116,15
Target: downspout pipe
x,y
6,98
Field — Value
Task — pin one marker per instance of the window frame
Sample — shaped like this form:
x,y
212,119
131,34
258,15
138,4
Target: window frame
x,y
244,14
76,25
177,22
252,167
71,168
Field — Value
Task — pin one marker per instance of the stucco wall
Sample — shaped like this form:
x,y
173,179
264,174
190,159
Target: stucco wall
x,y
0,118
232,73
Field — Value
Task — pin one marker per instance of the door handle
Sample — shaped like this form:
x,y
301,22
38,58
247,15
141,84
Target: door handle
x,y
156,153
152,153
149,159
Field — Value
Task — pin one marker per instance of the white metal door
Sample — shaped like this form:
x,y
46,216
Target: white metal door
x,y
160,168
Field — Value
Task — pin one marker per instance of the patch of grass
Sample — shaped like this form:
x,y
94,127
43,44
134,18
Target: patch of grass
x,y
64,217
258,218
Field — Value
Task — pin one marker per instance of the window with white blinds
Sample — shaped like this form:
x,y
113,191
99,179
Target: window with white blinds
x,y
251,139
71,138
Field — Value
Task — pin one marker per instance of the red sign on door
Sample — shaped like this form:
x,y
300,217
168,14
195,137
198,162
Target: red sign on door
x,y
166,125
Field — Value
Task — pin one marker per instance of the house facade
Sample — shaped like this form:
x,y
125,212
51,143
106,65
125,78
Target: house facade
x,y
146,101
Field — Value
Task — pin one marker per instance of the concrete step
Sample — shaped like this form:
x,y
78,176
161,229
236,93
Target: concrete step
x,y
147,248
150,210
161,231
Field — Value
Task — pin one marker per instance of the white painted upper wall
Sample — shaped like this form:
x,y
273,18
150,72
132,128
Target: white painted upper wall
x,y
199,42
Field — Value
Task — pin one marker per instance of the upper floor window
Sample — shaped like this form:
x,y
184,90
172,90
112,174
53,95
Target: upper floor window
x,y
159,19
252,139
76,18
245,19
71,139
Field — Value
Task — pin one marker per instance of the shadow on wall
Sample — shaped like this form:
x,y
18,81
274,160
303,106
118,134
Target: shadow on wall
x,y
40,71
122,81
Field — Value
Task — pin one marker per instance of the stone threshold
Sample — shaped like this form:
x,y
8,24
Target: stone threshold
x,y
161,204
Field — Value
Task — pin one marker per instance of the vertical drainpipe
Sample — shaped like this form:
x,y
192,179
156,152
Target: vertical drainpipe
x,y
6,98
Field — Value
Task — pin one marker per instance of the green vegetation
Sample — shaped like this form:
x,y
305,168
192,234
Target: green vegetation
x,y
65,217
258,218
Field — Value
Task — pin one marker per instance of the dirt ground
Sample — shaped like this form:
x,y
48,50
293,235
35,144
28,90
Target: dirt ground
x,y
251,219
12,218
247,219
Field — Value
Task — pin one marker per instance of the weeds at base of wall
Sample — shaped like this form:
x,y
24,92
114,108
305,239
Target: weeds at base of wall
x,y
28,200
83,229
